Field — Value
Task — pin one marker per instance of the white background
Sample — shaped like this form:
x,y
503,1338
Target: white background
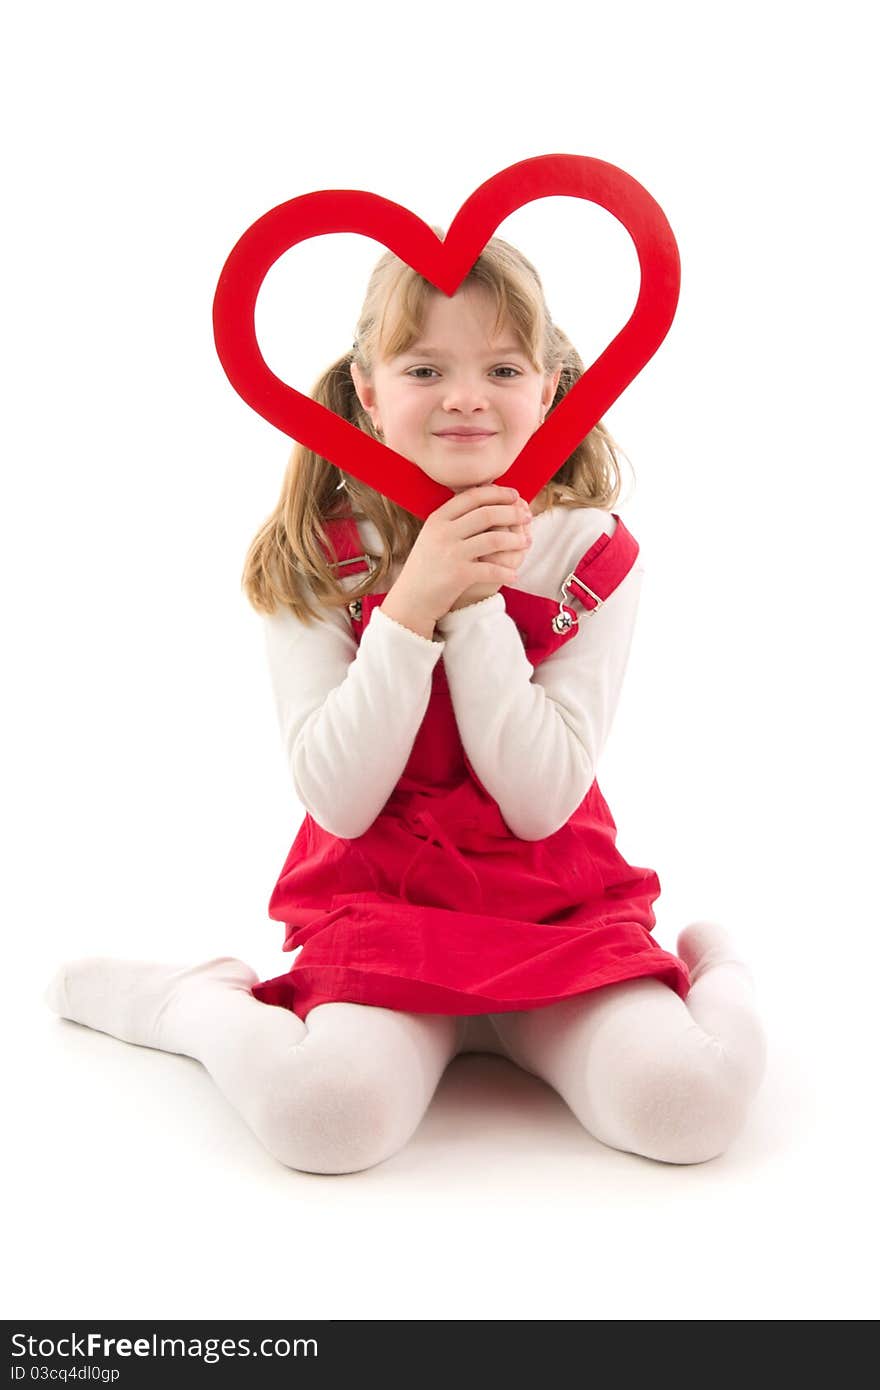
x,y
147,808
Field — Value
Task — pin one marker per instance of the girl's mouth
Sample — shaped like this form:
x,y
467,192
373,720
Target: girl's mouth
x,y
466,438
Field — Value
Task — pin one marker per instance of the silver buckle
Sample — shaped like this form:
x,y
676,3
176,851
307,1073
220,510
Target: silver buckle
x,y
562,621
355,607
573,577
352,559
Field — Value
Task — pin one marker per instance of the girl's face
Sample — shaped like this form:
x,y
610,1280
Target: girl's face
x,y
460,402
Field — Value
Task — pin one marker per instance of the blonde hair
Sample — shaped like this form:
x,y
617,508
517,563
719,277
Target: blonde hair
x,y
285,562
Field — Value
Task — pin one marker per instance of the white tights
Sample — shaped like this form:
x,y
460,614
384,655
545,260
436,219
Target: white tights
x,y
643,1070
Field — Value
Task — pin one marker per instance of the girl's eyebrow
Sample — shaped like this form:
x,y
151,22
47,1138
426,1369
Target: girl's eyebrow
x,y
508,350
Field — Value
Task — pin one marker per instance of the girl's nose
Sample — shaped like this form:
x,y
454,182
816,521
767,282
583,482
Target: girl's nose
x,y
464,395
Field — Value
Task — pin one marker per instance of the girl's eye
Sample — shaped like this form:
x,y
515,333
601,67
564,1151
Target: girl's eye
x,y
415,370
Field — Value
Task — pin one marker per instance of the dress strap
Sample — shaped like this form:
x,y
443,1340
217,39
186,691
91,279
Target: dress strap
x,y
345,552
597,574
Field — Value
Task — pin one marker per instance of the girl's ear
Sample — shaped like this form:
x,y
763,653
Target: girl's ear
x,y
549,391
365,392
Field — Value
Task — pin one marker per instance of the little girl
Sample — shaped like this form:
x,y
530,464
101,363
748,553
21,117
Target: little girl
x,y
444,691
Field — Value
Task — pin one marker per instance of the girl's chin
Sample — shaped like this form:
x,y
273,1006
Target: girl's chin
x,y
467,486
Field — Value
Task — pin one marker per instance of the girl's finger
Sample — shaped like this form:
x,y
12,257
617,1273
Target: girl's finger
x,y
481,496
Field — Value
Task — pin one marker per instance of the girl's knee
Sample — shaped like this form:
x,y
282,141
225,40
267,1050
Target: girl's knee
x,y
341,1120
684,1109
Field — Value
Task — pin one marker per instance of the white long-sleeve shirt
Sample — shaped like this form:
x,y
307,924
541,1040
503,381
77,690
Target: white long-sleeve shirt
x,y
349,714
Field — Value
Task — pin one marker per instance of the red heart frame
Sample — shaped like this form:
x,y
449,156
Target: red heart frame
x,y
445,264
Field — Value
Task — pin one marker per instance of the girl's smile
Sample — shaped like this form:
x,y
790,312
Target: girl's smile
x,y
465,436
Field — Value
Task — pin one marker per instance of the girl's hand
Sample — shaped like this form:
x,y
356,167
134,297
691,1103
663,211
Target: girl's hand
x,y
469,546
508,558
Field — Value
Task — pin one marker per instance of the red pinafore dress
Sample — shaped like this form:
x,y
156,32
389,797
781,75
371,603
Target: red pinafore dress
x,y
438,907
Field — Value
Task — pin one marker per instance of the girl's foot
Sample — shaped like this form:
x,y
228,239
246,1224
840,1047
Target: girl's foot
x,y
703,945
138,1000
722,1000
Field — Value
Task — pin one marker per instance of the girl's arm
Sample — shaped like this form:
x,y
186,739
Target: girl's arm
x,y
534,734
348,715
